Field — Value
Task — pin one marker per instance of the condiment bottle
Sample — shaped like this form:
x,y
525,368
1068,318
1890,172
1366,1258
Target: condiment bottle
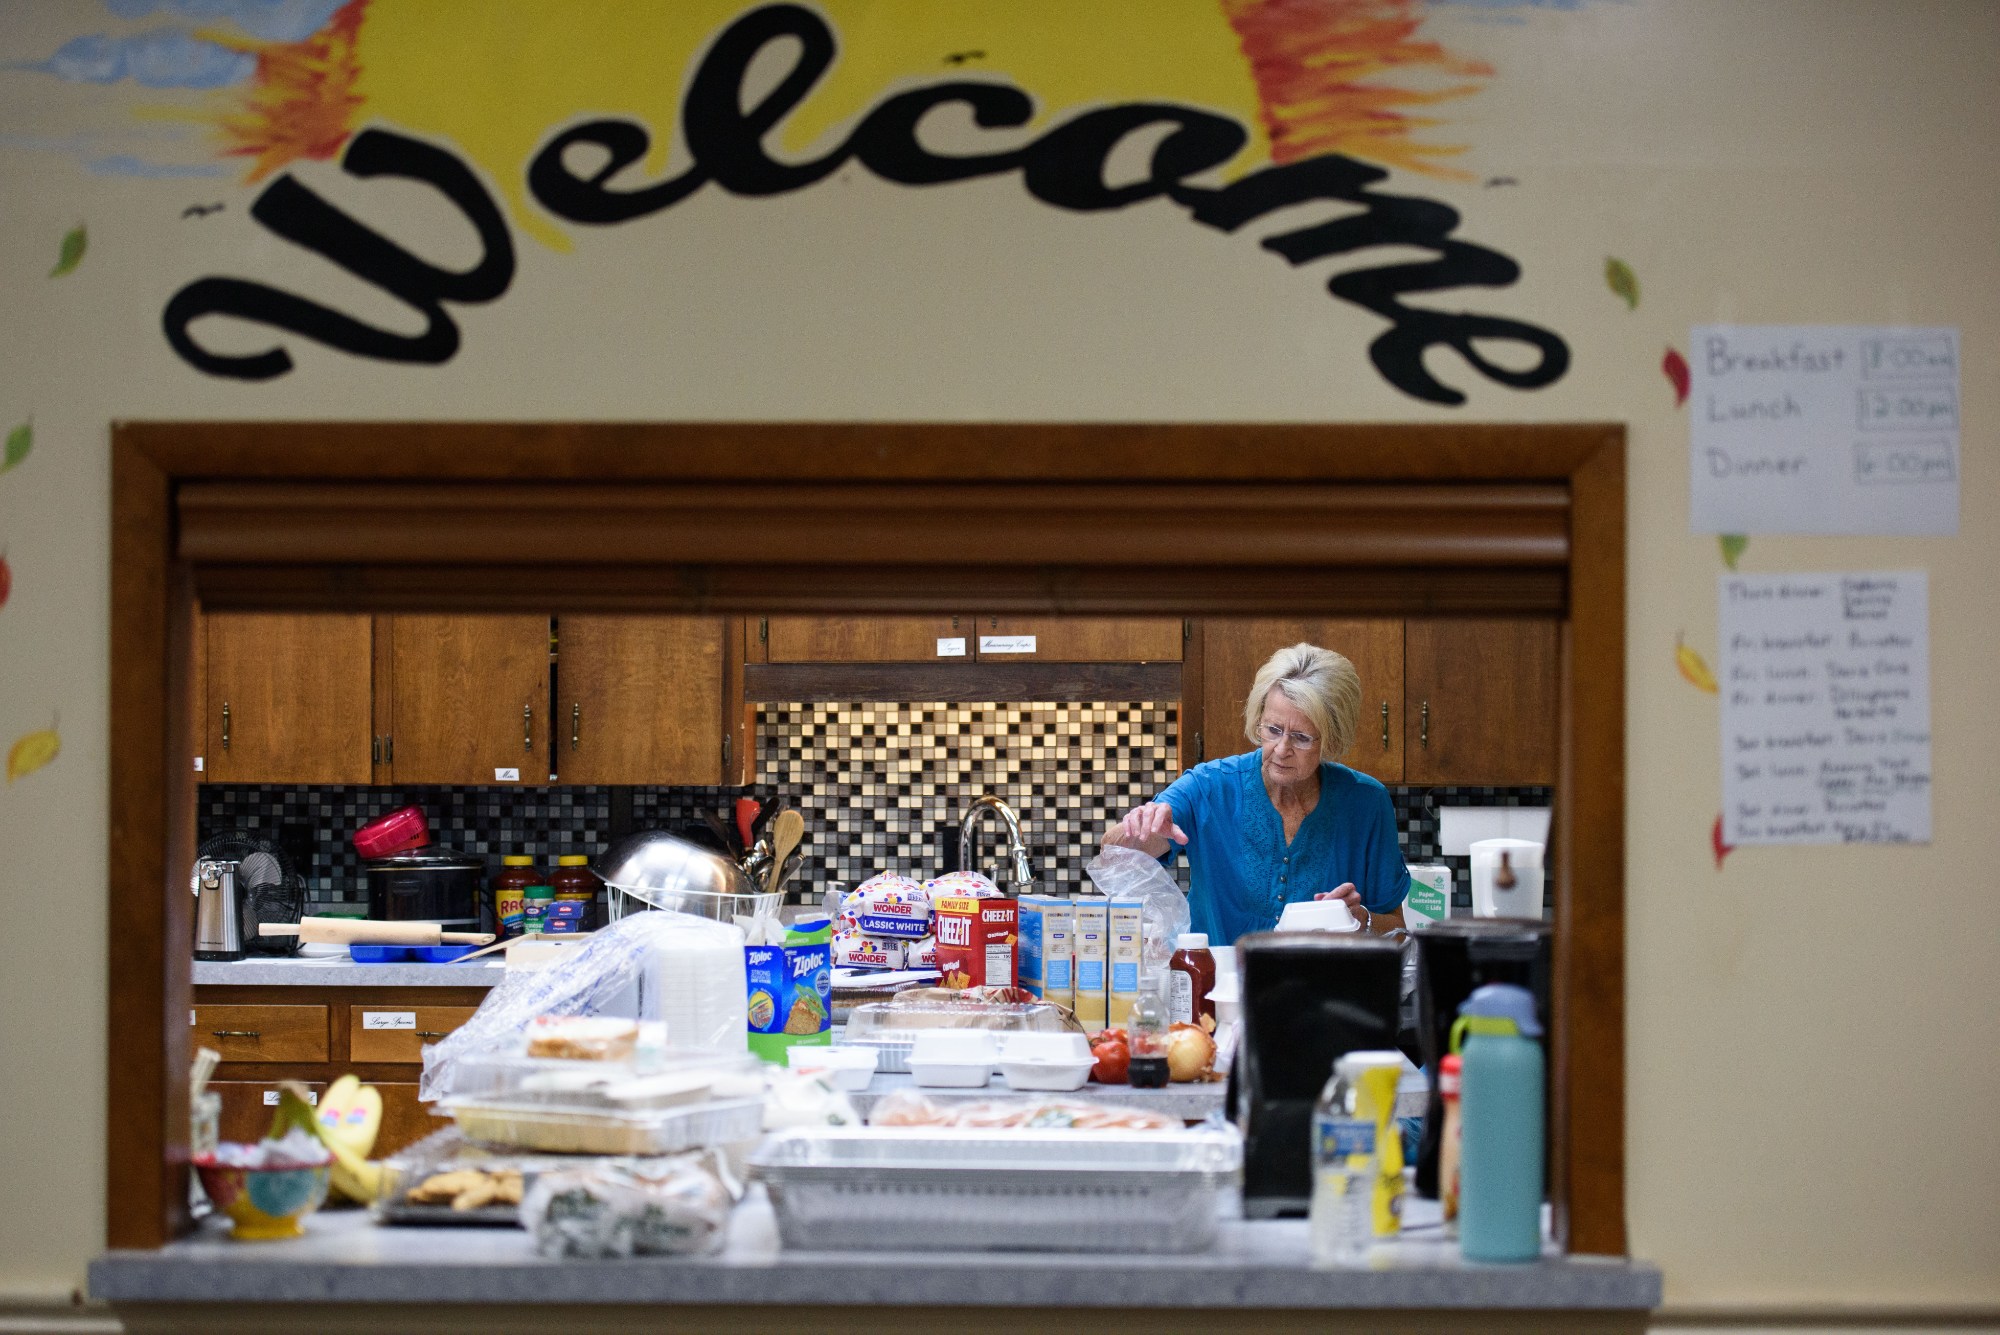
x,y
1147,1028
1190,978
1449,1136
536,911
517,872
1500,1168
574,880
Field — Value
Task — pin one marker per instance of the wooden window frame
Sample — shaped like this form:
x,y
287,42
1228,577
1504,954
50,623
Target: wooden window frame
x,y
1193,520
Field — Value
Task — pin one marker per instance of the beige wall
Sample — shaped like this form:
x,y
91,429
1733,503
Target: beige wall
x,y
1810,1080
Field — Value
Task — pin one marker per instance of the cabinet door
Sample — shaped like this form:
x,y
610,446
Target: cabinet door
x,y
867,639
405,1121
249,1105
1482,701
1005,639
288,698
639,700
468,699
1234,648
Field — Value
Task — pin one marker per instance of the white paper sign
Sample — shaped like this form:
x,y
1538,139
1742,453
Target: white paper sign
x,y
1822,429
271,1097
952,647
1826,708
506,776
1006,644
388,1019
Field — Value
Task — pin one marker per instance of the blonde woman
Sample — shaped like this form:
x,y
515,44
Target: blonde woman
x,y
1286,822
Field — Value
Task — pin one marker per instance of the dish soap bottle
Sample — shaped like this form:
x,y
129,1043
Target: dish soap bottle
x,y
1148,1025
1500,1124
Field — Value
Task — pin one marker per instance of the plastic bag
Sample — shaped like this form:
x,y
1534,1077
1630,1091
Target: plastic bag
x,y
619,971
630,1208
1128,873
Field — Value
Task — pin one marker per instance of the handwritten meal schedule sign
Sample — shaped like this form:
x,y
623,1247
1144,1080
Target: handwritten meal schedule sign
x,y
1826,711
1823,429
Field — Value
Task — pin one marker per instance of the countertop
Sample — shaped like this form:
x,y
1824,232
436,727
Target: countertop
x,y
1263,1264
329,966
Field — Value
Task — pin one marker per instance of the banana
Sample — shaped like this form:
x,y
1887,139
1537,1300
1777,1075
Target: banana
x,y
1694,668
353,1175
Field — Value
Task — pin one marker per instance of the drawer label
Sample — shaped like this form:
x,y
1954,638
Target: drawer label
x,y
388,1019
1006,644
506,776
271,1097
952,647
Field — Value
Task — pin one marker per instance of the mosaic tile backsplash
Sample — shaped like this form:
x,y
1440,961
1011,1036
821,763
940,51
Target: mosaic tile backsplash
x,y
882,788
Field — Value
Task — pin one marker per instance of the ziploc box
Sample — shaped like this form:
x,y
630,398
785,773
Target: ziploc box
x,y
1127,927
1090,936
791,991
1429,899
976,940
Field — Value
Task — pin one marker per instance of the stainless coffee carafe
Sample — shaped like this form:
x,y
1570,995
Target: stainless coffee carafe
x,y
218,923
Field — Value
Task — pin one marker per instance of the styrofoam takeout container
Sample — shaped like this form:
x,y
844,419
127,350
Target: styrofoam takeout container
x,y
1318,915
848,1069
1044,1048
951,1074
954,1046
1067,1074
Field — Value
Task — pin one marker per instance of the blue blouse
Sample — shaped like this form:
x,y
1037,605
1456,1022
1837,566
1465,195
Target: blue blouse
x,y
1243,871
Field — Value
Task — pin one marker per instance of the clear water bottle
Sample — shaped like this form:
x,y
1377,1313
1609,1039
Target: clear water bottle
x,y
1356,1148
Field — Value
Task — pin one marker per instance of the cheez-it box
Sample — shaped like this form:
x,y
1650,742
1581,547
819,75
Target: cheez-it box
x,y
976,941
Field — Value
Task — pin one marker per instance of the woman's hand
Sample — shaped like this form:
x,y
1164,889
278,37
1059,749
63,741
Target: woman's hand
x,y
1348,895
1149,828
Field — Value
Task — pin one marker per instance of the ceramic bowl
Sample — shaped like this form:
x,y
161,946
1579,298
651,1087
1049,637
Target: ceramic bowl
x,y
265,1202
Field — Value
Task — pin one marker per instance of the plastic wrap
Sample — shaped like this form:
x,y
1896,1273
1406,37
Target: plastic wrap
x,y
618,972
607,1211
1129,873
891,1027
908,1108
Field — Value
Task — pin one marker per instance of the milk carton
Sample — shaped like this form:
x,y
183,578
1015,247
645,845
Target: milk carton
x,y
1430,896
1091,935
1127,927
1047,960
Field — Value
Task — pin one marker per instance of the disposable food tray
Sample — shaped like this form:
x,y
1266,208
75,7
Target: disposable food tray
x,y
579,1131
891,1027
1026,1189
444,1151
582,1085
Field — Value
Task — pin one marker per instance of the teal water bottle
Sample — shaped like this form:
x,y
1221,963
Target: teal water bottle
x,y
1500,1112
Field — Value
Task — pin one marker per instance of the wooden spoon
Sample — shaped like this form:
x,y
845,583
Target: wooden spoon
x,y
787,828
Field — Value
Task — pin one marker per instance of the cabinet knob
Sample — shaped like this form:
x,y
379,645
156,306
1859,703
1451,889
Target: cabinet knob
x,y
1424,726
575,725
527,727
1385,725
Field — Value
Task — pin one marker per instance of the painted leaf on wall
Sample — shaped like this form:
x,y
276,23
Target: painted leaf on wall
x,y
1676,369
1618,276
32,752
1722,850
19,441
1694,667
74,242
1732,547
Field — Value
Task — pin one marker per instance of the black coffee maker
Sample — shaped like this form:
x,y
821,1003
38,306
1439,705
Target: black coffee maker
x,y
1309,998
1453,958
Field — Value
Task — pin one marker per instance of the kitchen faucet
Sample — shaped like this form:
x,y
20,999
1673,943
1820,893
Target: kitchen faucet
x,y
1024,875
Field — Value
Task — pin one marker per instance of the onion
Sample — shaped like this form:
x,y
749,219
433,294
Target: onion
x,y
1190,1053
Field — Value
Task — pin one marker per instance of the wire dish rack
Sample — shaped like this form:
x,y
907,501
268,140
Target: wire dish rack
x,y
856,1188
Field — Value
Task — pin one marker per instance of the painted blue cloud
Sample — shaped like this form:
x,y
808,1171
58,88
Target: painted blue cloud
x,y
162,58
266,20
124,164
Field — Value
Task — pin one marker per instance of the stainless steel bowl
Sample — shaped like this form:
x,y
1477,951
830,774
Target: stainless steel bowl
x,y
654,869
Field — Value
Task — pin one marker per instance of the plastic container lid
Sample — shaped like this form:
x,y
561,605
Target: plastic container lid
x,y
398,831
1191,941
1451,1072
572,860
539,892
517,860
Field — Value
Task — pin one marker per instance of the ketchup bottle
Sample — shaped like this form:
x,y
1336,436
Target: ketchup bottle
x,y
1190,978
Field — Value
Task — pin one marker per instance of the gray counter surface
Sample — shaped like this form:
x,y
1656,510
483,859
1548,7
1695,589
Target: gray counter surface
x,y
344,1258
329,966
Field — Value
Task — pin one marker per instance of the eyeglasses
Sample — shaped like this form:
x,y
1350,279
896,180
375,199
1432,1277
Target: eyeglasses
x,y
1273,734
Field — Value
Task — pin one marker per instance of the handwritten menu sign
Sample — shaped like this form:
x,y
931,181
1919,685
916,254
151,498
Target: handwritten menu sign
x,y
1826,708
1823,429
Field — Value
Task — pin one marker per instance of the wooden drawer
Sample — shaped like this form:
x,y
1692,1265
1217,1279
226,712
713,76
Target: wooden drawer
x,y
249,1105
263,1033
405,1030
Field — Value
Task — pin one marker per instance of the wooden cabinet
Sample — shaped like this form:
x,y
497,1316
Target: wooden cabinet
x,y
263,1033
1481,701
249,1105
640,700
1008,639
287,698
861,639
398,1032
468,699
1234,648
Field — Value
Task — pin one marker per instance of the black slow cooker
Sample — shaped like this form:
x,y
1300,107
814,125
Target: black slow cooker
x,y
426,885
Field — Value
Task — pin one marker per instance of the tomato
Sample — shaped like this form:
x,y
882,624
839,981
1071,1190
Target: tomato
x,y
1114,1058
